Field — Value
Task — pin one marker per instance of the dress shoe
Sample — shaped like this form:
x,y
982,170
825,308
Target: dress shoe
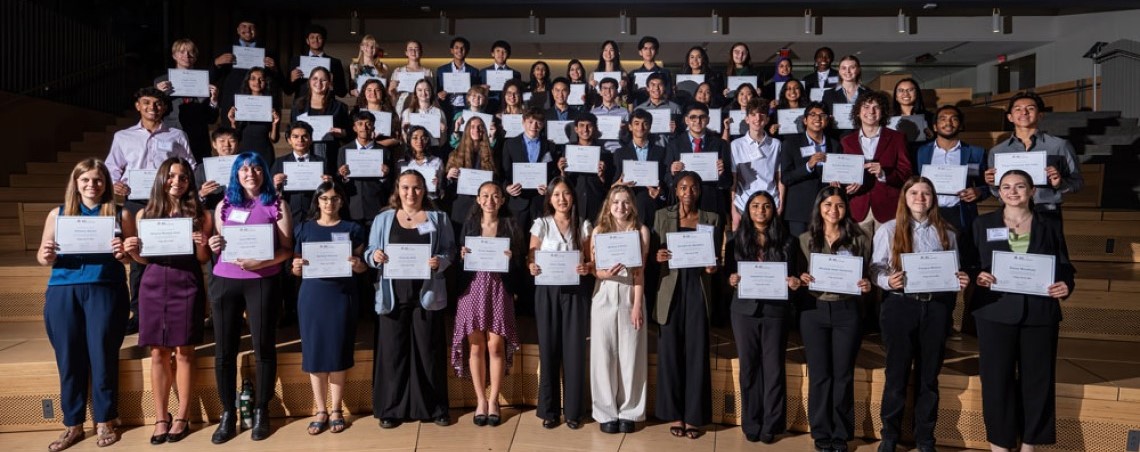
x,y
494,420
387,423
823,445
549,423
927,448
839,445
752,437
574,425
609,427
260,424
767,438
442,421
480,420
626,426
172,437
888,445
227,428
161,438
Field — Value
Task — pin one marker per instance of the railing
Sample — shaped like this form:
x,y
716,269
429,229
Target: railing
x,y
1073,95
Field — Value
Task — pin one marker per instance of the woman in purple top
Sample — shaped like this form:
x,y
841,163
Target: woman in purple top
x,y
248,285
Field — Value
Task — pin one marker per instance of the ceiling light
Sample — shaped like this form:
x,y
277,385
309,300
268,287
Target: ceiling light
x,y
443,23
715,23
533,23
354,24
902,22
997,24
809,22
623,23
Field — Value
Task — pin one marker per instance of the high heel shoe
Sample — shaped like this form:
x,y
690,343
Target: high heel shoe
x,y
161,437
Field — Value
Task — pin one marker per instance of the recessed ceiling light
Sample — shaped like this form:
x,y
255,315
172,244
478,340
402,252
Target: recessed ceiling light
x,y
930,6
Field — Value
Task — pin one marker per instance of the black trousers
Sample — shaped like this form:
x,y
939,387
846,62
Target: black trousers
x,y
410,369
563,321
761,344
259,299
914,332
684,382
1019,374
831,335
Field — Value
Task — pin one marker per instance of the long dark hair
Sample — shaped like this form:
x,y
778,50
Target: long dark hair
x,y
160,204
474,222
747,238
919,105
530,86
601,67
704,60
849,230
548,207
325,187
302,102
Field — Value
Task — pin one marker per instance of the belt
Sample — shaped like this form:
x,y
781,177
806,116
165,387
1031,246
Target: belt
x,y
924,296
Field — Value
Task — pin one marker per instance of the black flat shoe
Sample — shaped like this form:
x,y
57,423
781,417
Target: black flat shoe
x,y
172,437
161,438
494,420
260,424
839,445
549,423
227,428
442,421
480,420
752,438
888,445
626,426
389,423
574,425
767,438
609,427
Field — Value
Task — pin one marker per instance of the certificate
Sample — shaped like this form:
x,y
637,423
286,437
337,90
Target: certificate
x,y
141,181
308,63
609,127
470,180
559,268
791,120
582,159
835,273
254,241
364,78
218,169
842,115
321,124
617,247
640,79
326,260
364,162
166,236
556,131
406,81
496,79
486,118
248,57
303,176
456,82
947,179
738,126
734,81
716,119
930,272
529,175
512,125
189,82
661,119
913,126
83,235
694,81
487,254
816,95
407,261
1030,162
843,168
763,280
642,174
429,121
704,164
253,108
1029,274
383,123
691,249
779,90
577,94
616,75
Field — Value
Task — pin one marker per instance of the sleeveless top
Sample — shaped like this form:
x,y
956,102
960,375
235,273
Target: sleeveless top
x,y
71,269
258,214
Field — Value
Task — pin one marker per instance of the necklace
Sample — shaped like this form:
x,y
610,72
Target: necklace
x,y
409,214
1016,225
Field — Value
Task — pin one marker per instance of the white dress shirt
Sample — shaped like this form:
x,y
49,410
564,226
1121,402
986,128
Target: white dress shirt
x,y
870,146
924,239
953,156
138,148
755,164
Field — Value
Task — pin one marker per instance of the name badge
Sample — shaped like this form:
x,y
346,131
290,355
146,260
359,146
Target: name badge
x,y
972,169
340,237
704,228
239,216
997,234
833,79
426,228
546,158
807,151
164,145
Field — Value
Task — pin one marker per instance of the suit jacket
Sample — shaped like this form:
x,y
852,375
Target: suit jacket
x,y
1046,237
299,201
971,155
589,189
367,196
811,81
571,115
646,206
528,205
834,96
668,220
229,79
447,69
714,193
763,308
881,198
301,85
800,185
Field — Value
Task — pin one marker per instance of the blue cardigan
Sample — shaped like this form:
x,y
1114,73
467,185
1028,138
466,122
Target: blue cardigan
x,y
433,295
971,155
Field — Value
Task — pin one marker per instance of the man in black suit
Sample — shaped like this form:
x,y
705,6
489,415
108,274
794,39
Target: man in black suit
x,y
823,76
714,191
299,81
589,188
640,148
231,77
560,109
529,147
802,158
500,52
300,137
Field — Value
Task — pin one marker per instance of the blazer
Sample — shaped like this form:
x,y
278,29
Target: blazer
x,y
301,85
833,96
764,308
668,220
589,189
800,185
971,155
1045,237
881,198
646,206
367,196
448,68
514,151
811,81
433,294
714,193
299,201
229,79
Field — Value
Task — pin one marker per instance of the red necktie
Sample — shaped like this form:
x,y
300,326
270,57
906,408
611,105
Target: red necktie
x,y
696,145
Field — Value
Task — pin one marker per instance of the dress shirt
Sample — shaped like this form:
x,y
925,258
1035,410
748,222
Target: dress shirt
x,y
641,151
1059,154
533,147
870,145
693,142
562,115
952,156
754,175
616,110
301,157
822,77
138,148
820,146
924,239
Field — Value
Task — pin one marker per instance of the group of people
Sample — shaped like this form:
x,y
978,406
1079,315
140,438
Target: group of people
x,y
448,188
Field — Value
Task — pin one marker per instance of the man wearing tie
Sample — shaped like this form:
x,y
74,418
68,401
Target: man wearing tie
x,y
697,140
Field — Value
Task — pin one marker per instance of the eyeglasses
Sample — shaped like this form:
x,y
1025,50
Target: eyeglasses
x,y
817,115
698,117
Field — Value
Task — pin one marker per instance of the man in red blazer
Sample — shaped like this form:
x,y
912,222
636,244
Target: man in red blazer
x,y
886,167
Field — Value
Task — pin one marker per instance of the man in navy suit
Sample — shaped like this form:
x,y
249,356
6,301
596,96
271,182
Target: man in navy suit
x,y
452,102
697,139
232,77
299,81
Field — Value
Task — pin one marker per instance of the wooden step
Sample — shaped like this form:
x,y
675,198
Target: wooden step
x,y
76,156
53,181
53,168
90,147
24,194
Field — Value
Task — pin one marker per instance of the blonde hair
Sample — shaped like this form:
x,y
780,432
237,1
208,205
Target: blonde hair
x,y
381,68
606,221
72,199
184,42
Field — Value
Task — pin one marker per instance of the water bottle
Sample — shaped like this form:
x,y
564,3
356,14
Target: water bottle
x,y
245,404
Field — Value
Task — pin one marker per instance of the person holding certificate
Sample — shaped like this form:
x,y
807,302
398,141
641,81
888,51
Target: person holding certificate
x,y
584,93
258,136
369,187
914,322
697,63
662,108
224,142
760,326
618,374
802,157
172,296
367,66
591,187
249,289
485,312
755,162
474,152
697,139
299,135
609,61
408,74
539,85
454,100
647,198
315,36
420,157
86,306
512,101
791,97
410,310
850,86
647,48
327,305
376,100
887,167
1017,333
318,101
527,204
231,68
423,103
740,99
191,114
907,101
780,78
561,312
476,103
684,384
829,321
500,52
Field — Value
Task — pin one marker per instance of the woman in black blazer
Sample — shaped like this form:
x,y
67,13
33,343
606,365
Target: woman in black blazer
x,y
1017,334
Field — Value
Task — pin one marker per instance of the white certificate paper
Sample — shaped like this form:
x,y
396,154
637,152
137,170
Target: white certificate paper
x,y
496,79
253,108
617,247
141,182
364,162
695,78
642,174
383,123
816,95
407,261
512,125
913,126
486,118
559,268
843,168
326,260
556,131
254,241
166,236
577,94
487,254
456,82
691,249
248,57
321,125
529,175
83,235
791,120
582,159
716,119
640,79
218,169
308,63
470,180
406,81
738,126
189,82
661,119
609,126
1029,274
734,81
303,176
763,280
429,121
947,179
842,115
1030,162
835,273
704,164
616,75
930,272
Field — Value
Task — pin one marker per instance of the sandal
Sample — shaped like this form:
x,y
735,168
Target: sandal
x,y
693,432
337,425
105,434
677,430
316,427
68,438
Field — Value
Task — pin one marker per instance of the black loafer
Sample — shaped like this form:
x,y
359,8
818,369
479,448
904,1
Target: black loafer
x,y
389,423
574,425
549,423
609,427
260,424
752,437
888,445
927,448
442,421
767,438
494,420
227,428
626,426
